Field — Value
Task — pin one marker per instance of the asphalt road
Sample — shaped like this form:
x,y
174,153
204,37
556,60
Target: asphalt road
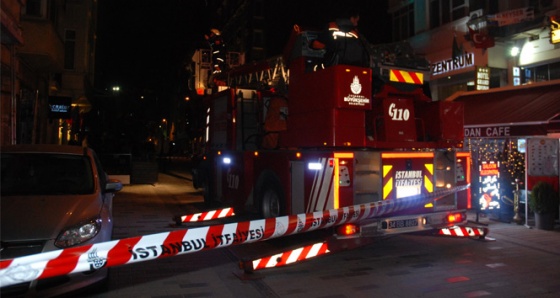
x,y
520,262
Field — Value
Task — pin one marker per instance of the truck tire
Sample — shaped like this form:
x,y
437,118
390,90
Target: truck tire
x,y
196,179
204,178
207,192
271,197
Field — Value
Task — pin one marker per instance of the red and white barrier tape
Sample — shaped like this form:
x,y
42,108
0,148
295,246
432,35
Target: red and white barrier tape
x,y
168,244
209,215
289,257
458,231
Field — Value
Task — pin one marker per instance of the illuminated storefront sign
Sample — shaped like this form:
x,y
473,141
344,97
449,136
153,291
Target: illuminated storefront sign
x,y
516,76
489,190
532,129
554,29
482,78
495,131
464,61
60,107
511,17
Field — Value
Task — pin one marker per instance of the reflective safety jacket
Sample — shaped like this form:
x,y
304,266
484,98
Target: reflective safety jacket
x,y
337,32
342,44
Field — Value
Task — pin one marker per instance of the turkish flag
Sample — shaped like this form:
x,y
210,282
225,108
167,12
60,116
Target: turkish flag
x,y
481,40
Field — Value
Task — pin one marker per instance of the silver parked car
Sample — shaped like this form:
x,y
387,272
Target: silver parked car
x,y
53,197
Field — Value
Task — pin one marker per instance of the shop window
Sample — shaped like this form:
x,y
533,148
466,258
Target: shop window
x,y
527,76
497,163
541,73
554,71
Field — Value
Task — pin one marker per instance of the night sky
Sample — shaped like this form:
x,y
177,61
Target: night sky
x,y
144,43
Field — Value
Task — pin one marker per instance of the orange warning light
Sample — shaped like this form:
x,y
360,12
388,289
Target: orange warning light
x,y
347,230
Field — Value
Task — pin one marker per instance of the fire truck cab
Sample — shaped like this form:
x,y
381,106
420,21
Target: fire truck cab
x,y
285,137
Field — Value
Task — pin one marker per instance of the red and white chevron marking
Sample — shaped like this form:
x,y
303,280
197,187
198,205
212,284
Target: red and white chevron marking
x,y
178,242
292,256
459,231
209,215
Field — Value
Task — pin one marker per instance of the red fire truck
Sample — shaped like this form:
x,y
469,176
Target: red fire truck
x,y
283,137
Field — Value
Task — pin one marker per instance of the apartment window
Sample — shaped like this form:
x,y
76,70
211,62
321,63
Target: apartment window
x,y
35,8
69,48
403,22
459,9
487,6
445,11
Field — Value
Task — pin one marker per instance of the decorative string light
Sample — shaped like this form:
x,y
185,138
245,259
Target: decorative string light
x,y
503,150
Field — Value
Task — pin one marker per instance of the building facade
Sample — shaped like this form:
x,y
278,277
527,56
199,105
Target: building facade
x,y
48,55
12,36
502,60
469,43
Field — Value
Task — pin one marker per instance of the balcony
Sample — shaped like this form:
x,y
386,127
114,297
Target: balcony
x,y
43,49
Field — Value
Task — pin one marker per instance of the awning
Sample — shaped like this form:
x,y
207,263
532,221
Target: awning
x,y
526,110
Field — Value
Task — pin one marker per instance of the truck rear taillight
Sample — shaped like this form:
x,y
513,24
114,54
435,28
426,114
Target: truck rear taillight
x,y
347,230
456,217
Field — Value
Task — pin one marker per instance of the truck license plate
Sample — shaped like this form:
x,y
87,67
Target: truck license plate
x,y
402,223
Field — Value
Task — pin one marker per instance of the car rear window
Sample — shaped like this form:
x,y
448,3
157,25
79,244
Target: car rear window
x,y
45,174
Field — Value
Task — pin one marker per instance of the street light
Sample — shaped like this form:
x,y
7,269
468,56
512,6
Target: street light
x,y
514,51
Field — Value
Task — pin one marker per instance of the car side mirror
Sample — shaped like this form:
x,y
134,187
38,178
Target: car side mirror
x,y
113,185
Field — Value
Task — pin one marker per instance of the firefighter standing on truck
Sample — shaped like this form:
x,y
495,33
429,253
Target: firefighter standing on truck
x,y
342,42
218,47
